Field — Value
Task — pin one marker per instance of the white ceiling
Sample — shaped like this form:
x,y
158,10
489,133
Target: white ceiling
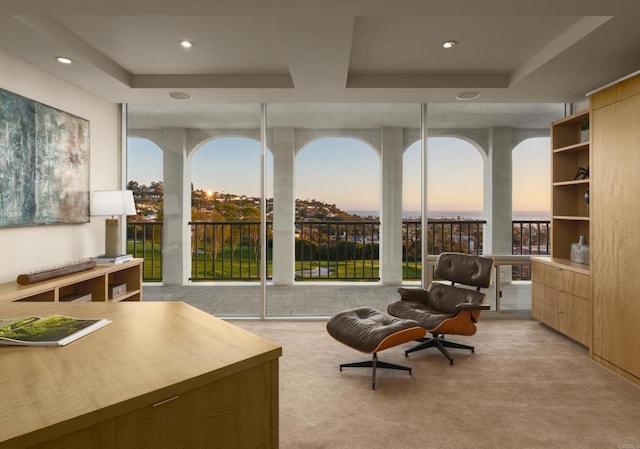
x,y
343,115
304,51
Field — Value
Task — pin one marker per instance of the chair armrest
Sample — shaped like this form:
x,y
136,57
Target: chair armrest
x,y
469,306
413,294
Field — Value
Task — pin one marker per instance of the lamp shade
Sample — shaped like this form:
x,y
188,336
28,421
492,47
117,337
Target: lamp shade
x,y
112,202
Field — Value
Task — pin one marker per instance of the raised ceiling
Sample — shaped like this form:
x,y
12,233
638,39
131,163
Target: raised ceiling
x,y
547,51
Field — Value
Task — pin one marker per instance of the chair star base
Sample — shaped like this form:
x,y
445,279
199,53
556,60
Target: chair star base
x,y
374,363
440,343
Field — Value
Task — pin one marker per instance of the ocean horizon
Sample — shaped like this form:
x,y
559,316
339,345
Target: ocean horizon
x,y
458,214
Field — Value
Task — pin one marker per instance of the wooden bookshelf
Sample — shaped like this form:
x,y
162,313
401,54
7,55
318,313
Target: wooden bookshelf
x,y
561,294
570,213
94,282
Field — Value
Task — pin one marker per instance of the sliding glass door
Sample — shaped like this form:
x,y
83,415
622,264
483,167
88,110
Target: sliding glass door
x,y
337,213
199,203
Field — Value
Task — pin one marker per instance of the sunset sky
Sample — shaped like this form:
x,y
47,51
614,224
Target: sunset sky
x,y
345,172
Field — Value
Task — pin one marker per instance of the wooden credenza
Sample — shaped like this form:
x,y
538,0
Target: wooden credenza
x,y
561,297
93,283
161,375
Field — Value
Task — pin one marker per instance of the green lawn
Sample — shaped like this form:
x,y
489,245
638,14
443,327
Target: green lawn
x,y
242,265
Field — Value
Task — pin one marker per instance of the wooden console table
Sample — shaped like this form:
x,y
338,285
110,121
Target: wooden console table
x,y
94,282
163,375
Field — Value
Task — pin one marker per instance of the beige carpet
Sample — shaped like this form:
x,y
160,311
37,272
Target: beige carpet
x,y
525,387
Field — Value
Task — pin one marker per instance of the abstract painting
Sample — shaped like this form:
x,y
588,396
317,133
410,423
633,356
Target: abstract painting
x,y
44,164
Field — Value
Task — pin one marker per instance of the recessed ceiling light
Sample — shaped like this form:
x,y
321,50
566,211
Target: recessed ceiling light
x,y
449,44
180,95
63,60
184,43
469,95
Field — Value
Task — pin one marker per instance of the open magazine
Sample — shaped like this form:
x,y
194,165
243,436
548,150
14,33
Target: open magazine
x,y
53,330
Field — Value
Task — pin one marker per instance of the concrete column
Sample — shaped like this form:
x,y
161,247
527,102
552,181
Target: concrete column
x,y
391,209
282,144
498,196
176,260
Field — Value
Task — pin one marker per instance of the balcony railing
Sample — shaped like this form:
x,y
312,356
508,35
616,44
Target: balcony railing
x,y
529,238
337,250
226,250
144,240
327,250
463,236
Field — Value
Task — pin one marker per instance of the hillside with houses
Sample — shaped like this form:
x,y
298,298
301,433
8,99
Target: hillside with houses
x,y
216,206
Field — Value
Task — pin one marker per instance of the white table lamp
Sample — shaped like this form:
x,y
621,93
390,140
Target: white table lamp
x,y
113,203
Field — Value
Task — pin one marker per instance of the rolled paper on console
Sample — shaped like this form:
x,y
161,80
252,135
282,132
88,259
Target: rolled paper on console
x,y
37,276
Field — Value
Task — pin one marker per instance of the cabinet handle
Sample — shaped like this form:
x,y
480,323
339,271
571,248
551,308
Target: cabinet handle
x,y
559,311
164,401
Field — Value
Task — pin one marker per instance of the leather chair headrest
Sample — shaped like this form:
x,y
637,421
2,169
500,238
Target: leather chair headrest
x,y
467,269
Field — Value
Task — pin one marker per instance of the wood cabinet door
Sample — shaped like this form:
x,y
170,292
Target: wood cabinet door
x,y
615,241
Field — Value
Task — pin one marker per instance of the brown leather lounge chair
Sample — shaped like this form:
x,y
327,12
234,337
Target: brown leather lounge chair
x,y
445,308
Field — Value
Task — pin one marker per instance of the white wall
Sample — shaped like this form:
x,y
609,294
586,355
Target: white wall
x,y
27,249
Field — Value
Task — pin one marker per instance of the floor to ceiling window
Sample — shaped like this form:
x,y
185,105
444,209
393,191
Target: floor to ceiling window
x,y
454,203
145,178
454,179
225,210
335,184
532,179
531,202
212,200
338,179
337,210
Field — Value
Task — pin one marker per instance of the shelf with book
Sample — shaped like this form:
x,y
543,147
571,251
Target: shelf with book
x,y
129,280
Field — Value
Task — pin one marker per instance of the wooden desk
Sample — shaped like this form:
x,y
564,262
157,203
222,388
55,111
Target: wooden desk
x,y
161,375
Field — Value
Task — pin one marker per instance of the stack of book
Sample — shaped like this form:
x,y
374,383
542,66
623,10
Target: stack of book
x,y
104,260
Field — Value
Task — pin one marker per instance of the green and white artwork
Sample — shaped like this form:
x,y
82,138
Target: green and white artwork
x,y
44,164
